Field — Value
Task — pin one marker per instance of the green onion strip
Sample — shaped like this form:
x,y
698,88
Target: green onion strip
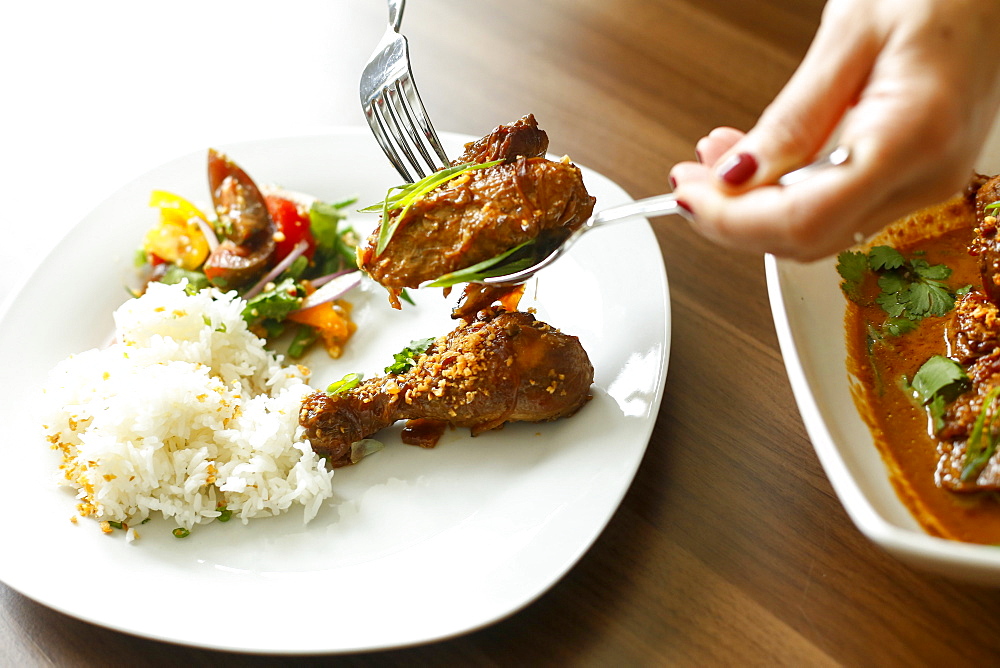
x,y
410,193
982,443
485,269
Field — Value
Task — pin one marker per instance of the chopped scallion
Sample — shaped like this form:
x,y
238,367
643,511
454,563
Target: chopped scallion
x,y
346,383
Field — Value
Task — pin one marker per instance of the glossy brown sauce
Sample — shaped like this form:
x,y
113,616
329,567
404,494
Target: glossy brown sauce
x,y
423,432
900,426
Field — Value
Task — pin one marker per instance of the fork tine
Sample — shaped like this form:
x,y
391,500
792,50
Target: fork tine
x,y
393,107
395,120
401,110
378,129
419,120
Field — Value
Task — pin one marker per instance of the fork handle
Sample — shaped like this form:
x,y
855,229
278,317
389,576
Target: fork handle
x,y
396,13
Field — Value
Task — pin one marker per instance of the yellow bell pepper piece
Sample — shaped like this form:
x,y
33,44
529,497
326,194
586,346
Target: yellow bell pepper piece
x,y
177,237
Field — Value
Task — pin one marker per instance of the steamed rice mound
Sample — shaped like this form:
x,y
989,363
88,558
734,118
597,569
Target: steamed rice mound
x,y
186,413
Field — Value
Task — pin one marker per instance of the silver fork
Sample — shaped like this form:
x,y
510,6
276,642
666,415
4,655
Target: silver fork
x,y
658,205
393,108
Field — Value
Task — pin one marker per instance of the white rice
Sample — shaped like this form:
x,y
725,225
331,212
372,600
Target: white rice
x,y
185,413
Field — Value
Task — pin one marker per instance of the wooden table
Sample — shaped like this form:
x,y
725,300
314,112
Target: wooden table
x,y
730,546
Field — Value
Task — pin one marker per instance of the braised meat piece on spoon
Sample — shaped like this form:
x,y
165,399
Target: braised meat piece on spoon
x,y
481,213
521,138
502,367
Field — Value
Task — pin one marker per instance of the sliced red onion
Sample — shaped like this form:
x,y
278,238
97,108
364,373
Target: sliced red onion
x,y
323,280
209,232
292,256
337,287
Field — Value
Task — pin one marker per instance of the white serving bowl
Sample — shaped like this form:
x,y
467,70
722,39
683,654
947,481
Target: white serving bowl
x,y
808,308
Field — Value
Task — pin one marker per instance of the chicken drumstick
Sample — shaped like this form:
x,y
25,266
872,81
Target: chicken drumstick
x,y
501,367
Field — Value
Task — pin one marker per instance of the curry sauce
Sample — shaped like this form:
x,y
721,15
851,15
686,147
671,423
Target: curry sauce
x,y
882,367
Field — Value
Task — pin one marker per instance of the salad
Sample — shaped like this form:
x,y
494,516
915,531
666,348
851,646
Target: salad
x,y
290,256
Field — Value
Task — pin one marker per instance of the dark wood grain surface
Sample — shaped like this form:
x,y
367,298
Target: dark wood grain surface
x,y
730,547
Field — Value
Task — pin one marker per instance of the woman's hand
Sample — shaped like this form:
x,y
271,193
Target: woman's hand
x,y
914,86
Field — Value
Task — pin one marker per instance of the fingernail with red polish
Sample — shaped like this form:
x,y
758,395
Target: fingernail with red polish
x,y
738,168
687,207
673,182
697,154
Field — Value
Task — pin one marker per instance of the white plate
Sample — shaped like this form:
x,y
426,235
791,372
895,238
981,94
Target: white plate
x,y
417,545
808,308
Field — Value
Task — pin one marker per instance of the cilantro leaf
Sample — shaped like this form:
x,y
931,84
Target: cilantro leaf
x,y
928,298
407,357
885,257
939,381
892,283
936,375
926,271
852,267
898,326
909,289
889,301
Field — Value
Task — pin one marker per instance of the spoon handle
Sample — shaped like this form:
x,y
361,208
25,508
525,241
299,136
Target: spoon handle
x,y
662,205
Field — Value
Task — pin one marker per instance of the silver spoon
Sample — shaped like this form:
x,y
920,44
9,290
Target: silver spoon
x,y
658,205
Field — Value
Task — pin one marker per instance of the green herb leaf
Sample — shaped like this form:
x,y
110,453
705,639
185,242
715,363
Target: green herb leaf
x,y
405,359
296,269
936,375
928,298
852,267
881,258
892,282
938,382
937,272
889,301
335,242
899,326
494,266
196,279
982,443
909,289
275,304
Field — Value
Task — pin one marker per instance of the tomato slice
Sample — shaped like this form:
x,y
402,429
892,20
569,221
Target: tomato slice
x,y
292,226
